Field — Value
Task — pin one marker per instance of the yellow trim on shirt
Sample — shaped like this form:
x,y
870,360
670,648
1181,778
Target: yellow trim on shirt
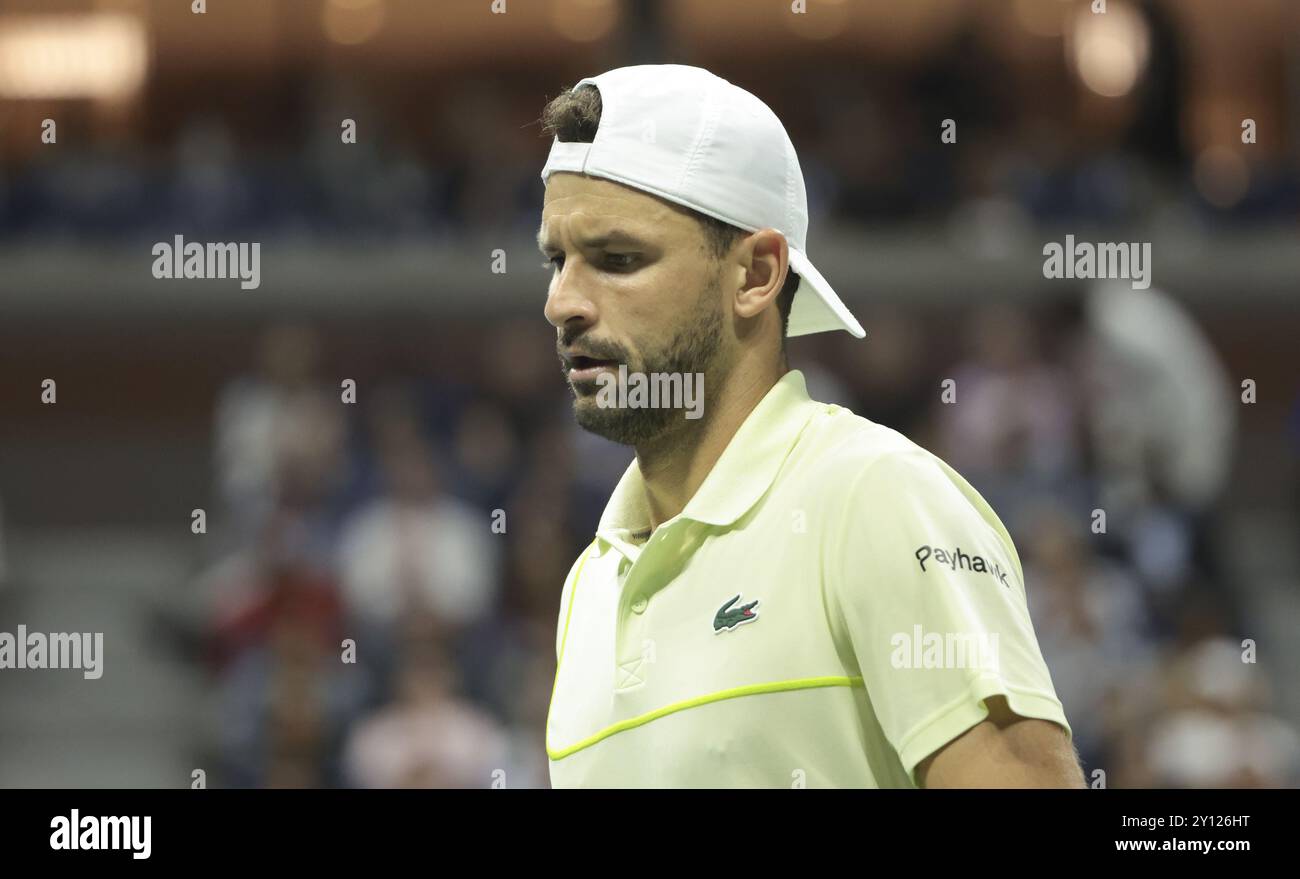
x,y
640,720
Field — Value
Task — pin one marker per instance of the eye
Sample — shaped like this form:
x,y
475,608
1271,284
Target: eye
x,y
620,260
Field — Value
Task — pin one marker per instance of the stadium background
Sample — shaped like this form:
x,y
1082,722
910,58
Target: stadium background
x,y
372,520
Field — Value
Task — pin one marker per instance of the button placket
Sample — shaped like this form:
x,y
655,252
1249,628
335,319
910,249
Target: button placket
x,y
633,625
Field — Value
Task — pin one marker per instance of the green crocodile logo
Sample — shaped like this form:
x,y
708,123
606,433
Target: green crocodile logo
x,y
728,617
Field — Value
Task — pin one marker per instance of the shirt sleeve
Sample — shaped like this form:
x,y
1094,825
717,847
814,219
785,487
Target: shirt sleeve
x,y
931,599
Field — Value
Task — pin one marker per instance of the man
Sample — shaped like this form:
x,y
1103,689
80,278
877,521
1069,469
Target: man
x,y
779,592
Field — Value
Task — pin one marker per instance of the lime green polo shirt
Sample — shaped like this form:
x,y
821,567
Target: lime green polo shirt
x,y
831,607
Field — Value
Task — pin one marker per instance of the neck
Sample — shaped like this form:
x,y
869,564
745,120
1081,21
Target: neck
x,y
674,466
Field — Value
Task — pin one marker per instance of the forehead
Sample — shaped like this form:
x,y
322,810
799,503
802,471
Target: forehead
x,y
590,206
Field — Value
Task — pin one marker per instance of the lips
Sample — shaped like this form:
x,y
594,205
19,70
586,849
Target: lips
x,y
584,368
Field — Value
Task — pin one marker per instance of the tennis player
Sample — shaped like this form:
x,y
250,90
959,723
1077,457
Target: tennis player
x,y
780,593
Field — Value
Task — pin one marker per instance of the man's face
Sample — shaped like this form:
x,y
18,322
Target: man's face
x,y
632,284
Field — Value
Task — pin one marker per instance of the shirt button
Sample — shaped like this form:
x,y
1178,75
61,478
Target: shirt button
x,y
639,605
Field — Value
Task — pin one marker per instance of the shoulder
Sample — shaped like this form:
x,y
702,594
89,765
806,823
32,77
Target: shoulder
x,y
877,482
851,456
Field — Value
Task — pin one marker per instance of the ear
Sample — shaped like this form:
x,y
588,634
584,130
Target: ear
x,y
765,257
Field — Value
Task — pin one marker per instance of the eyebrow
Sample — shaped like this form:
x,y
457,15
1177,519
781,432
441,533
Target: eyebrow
x,y
620,236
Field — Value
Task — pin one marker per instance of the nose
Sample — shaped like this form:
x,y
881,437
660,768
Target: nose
x,y
566,304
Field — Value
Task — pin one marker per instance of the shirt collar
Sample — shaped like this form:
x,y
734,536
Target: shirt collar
x,y
743,474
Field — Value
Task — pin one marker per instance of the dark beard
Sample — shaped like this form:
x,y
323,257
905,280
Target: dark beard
x,y
692,350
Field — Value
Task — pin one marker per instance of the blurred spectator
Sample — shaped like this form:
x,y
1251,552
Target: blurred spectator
x,y
276,631
1219,733
1011,430
428,737
283,423
1163,427
892,378
255,591
1090,620
415,548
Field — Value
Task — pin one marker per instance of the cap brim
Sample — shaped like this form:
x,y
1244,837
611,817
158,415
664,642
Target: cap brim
x,y
816,307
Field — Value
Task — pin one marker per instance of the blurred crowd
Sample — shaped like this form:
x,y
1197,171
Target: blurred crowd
x,y
383,611
423,538
868,144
